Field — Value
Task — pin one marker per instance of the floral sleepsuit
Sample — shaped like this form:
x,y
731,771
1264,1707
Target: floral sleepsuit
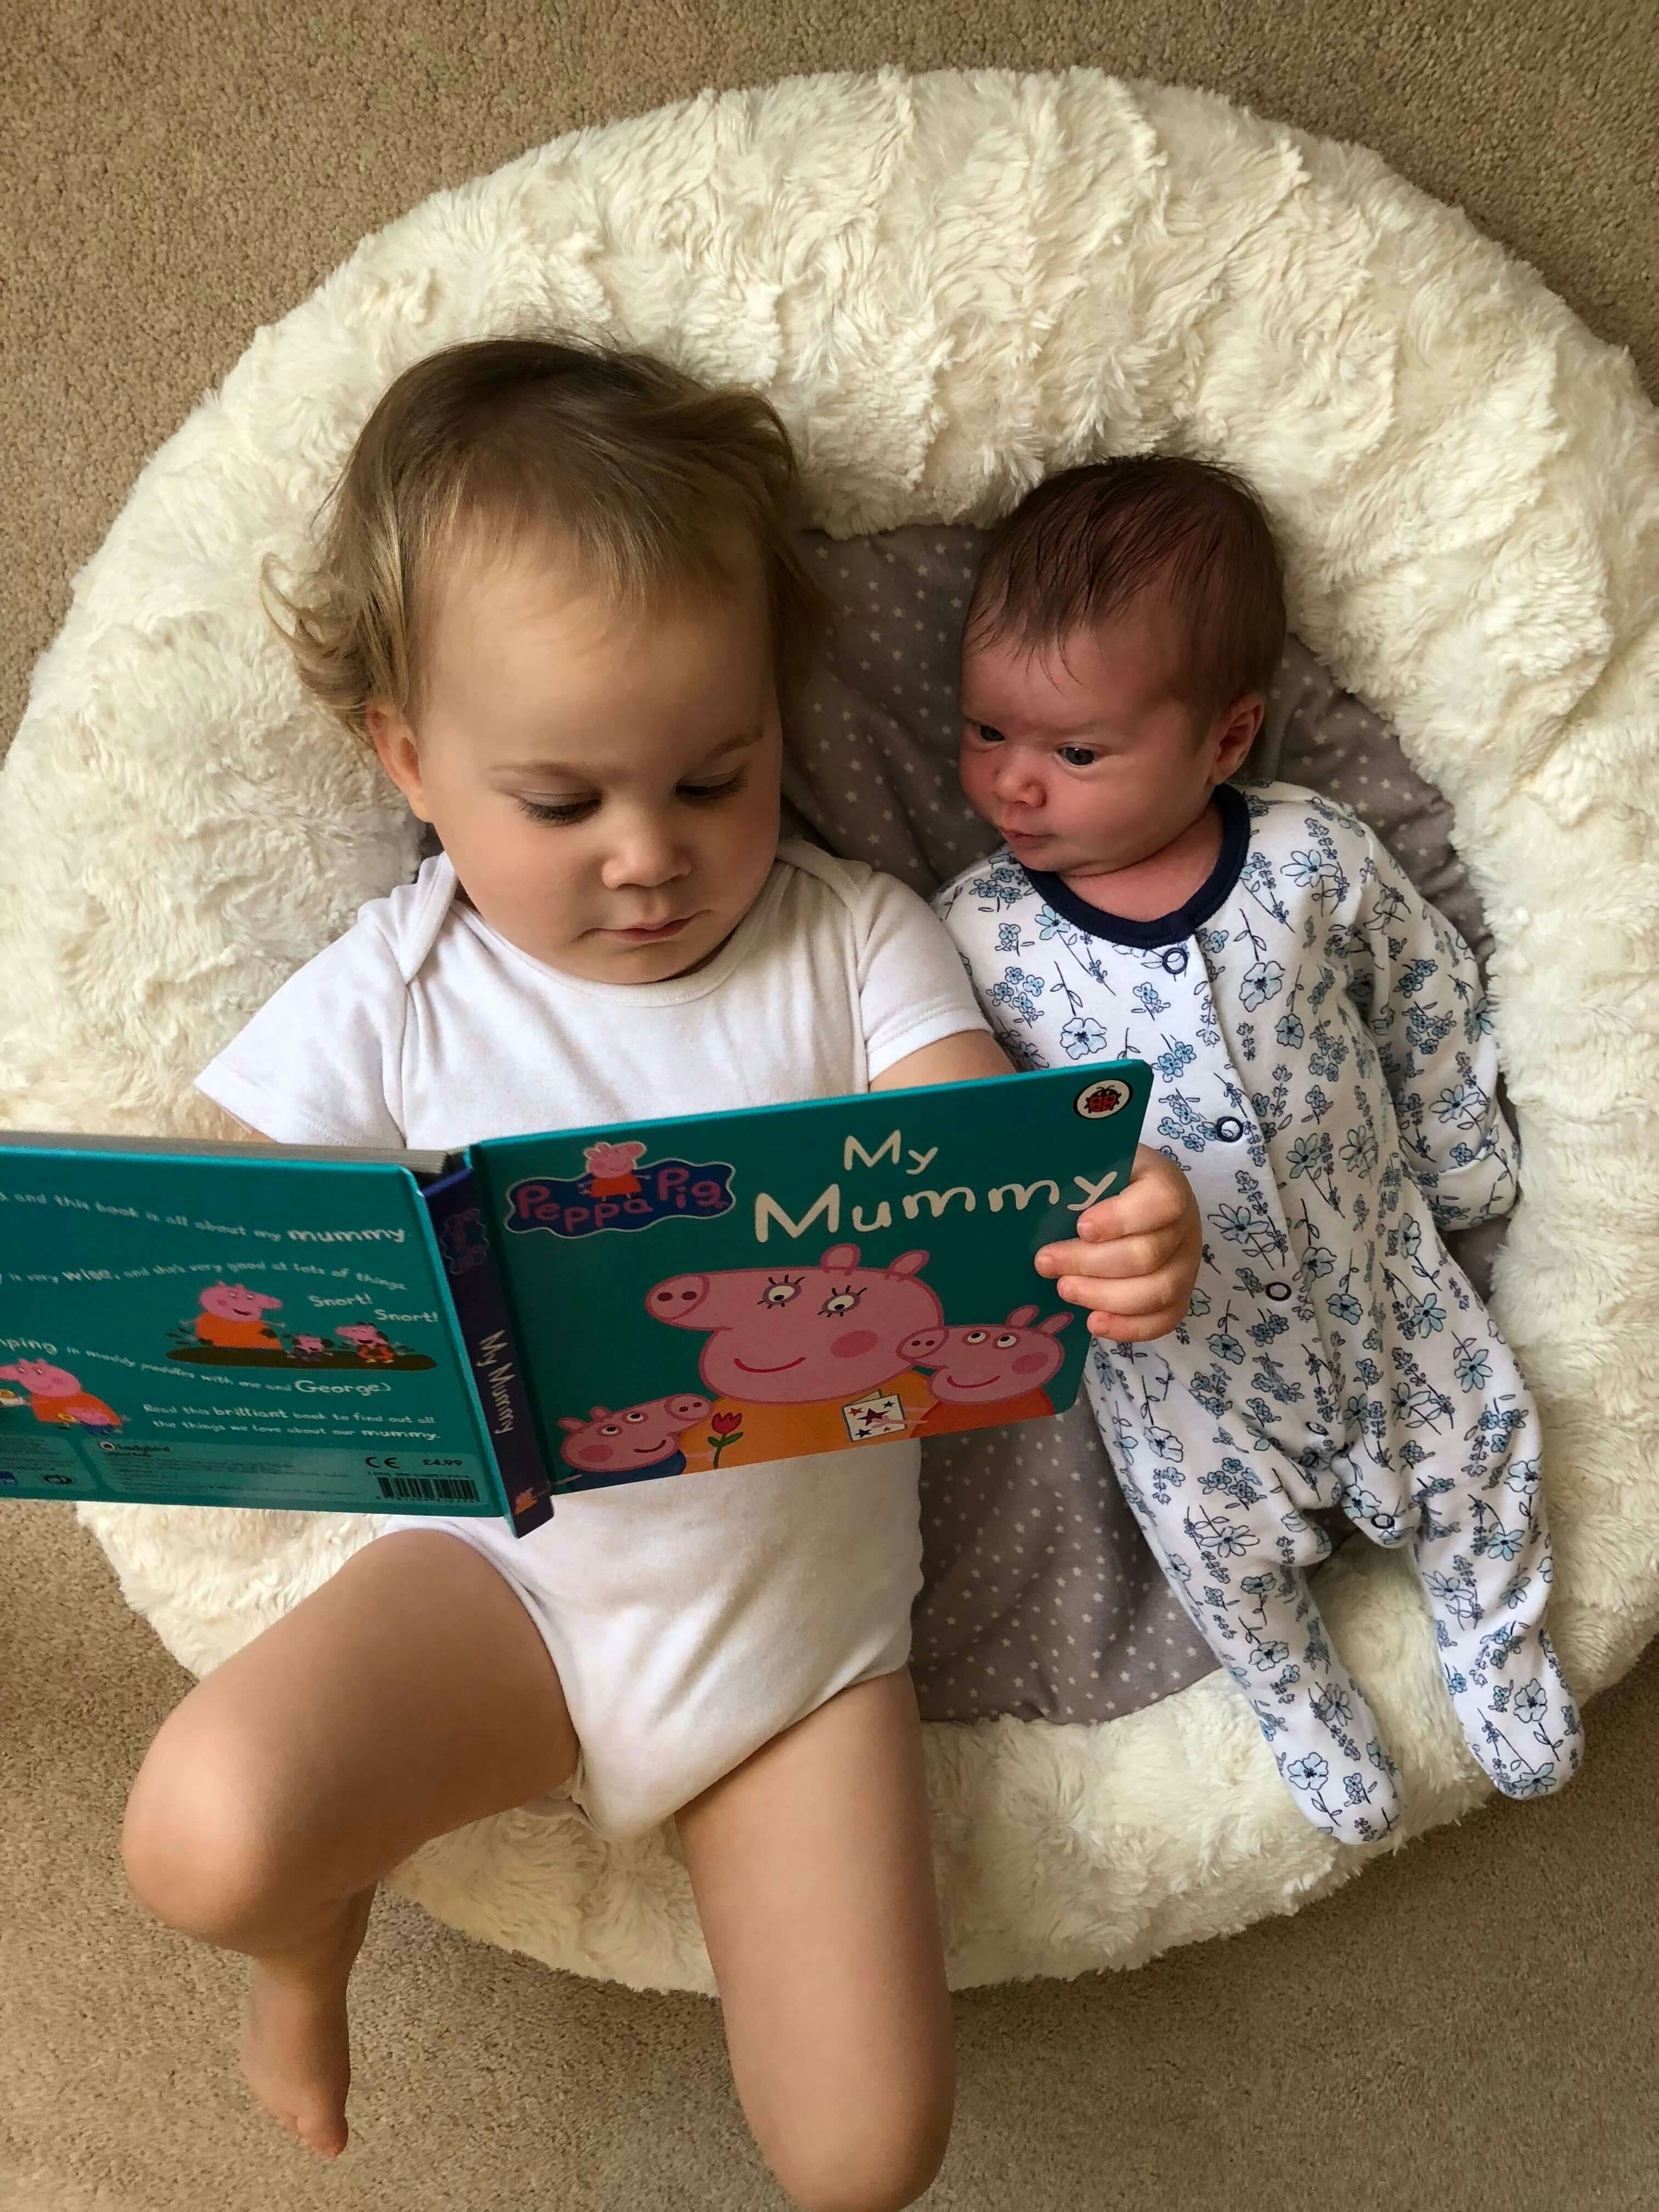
x,y
1324,1071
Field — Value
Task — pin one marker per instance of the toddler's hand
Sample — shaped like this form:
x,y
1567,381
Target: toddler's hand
x,y
1135,1260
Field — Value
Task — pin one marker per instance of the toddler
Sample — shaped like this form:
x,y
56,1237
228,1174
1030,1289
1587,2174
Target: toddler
x,y
1324,1069
558,592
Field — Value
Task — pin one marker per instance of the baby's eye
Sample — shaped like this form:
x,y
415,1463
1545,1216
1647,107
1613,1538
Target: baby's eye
x,y
556,809
779,1294
1078,756
1006,1342
987,733
842,1302
974,1336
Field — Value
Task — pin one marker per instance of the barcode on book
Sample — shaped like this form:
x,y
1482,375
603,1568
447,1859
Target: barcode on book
x,y
426,1486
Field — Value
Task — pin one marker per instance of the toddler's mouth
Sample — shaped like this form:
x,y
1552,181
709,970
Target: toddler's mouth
x,y
650,934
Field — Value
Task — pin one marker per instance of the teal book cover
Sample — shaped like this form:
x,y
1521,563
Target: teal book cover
x,y
226,1331
478,1333
713,1292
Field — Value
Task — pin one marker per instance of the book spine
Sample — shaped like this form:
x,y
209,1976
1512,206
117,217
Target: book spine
x,y
475,1291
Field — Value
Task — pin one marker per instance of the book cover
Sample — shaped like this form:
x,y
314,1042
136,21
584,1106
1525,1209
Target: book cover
x,y
745,1286
226,1330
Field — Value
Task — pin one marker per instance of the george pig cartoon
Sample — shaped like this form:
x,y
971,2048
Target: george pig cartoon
x,y
230,1315
367,1341
55,1395
984,1375
637,1444
809,1356
308,1348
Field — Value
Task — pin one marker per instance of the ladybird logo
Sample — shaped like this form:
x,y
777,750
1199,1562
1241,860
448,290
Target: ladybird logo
x,y
1108,1096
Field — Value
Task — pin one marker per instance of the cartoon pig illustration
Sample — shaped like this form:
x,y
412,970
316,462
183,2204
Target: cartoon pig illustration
x,y
306,1347
1000,1369
810,1356
636,1443
371,1346
55,1395
230,1315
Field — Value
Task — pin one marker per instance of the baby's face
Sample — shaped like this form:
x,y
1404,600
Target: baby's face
x,y
606,785
1084,755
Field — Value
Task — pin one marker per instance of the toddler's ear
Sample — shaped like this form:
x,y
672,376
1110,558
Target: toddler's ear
x,y
394,741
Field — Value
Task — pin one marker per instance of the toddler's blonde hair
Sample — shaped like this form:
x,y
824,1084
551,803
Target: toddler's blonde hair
x,y
650,482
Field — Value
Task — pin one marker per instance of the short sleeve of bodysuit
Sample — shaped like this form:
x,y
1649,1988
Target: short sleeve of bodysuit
x,y
913,989
319,1063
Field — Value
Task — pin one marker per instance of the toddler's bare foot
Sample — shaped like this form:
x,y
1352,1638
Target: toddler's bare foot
x,y
296,2056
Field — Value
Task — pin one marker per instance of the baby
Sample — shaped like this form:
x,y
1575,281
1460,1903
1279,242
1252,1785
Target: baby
x,y
558,592
1324,1070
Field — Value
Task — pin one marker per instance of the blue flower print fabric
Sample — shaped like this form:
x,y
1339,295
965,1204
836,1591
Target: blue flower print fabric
x,y
1324,1070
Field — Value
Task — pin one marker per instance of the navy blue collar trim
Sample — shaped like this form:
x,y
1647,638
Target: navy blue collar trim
x,y
1209,898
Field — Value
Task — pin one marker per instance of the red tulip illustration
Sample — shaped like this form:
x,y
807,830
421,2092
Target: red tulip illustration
x,y
728,1429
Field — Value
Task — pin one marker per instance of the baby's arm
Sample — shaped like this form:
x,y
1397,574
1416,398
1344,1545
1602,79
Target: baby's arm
x,y
1416,983
1134,1259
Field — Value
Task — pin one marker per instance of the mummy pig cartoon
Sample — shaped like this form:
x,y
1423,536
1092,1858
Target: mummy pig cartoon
x,y
55,1395
233,1315
809,1357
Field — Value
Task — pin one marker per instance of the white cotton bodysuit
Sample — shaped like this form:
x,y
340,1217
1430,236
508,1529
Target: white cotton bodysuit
x,y
691,1620
1325,1073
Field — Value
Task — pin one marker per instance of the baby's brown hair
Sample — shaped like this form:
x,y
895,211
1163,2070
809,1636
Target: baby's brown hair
x,y
1080,547
649,480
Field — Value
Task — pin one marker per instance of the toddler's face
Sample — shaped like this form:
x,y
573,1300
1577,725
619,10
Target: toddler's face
x,y
606,785
1084,755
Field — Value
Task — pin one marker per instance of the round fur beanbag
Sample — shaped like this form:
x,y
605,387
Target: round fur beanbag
x,y
950,285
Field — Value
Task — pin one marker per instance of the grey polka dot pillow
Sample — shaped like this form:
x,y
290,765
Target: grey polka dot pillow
x,y
1041,1598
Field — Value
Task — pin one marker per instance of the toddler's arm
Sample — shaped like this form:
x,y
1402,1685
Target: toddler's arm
x,y
1416,982
1134,1259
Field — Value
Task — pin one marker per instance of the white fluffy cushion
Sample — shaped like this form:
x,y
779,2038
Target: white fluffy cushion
x,y
950,285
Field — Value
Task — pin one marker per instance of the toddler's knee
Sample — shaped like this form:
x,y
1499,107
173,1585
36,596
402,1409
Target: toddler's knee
x,y
877,2169
196,1841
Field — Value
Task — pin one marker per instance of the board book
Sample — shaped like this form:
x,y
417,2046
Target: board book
x,y
477,1334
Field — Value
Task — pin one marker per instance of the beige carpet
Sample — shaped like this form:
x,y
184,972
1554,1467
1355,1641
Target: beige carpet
x,y
1471,2025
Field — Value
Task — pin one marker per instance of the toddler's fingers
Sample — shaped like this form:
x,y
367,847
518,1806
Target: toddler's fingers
x,y
1168,1290
1136,1328
1125,1256
1158,1196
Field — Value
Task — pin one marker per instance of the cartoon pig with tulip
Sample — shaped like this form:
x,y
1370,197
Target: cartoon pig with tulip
x,y
636,1443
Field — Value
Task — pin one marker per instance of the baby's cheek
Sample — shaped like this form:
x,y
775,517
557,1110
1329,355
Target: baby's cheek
x,y
856,1343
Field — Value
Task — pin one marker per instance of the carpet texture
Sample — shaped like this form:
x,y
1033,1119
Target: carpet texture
x,y
1508,2060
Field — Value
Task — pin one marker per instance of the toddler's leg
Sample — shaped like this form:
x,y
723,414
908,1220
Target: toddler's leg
x,y
410,1695
813,1876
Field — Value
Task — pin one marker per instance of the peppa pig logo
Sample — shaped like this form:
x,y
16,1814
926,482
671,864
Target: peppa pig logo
x,y
621,1189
